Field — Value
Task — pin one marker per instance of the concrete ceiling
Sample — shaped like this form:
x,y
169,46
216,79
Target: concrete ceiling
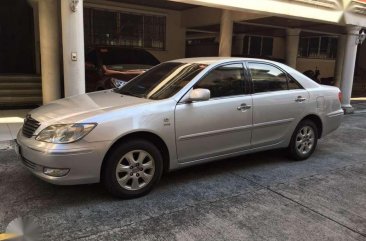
x,y
159,4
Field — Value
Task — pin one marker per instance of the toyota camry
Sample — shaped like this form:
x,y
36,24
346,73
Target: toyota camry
x,y
177,114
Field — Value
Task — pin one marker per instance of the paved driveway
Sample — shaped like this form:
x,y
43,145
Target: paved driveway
x,y
256,197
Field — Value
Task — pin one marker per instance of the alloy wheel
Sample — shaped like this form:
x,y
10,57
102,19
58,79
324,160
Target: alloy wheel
x,y
305,140
135,170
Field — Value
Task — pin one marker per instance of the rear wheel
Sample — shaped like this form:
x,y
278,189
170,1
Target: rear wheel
x,y
132,169
304,140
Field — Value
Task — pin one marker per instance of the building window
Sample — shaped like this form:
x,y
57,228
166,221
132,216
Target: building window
x,y
201,41
318,47
257,46
104,27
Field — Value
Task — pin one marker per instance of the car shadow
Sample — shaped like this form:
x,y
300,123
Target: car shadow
x,y
210,170
171,184
227,165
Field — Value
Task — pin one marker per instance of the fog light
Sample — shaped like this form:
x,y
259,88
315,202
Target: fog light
x,y
55,172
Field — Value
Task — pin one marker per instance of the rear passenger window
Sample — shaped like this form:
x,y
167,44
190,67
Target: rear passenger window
x,y
267,78
293,84
227,80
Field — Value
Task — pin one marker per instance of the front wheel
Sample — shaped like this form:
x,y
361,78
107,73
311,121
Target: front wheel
x,y
132,169
304,140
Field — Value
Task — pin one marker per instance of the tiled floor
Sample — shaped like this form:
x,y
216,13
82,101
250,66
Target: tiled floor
x,y
10,123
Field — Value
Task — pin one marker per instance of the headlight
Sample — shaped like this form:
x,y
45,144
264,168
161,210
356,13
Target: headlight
x,y
65,133
117,83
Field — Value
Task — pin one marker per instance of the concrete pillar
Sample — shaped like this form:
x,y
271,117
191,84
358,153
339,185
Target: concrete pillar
x,y
341,46
226,33
73,47
49,45
292,46
238,42
349,67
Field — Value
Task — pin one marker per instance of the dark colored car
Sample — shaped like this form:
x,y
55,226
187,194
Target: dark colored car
x,y
113,66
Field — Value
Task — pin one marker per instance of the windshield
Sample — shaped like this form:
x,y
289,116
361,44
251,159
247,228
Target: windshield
x,y
162,81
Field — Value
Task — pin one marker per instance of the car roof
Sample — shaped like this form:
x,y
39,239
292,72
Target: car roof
x,y
217,60
304,81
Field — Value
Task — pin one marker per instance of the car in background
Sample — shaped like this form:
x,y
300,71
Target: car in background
x,y
177,114
109,67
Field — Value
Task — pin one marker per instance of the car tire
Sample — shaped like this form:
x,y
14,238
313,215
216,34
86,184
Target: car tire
x,y
303,140
132,169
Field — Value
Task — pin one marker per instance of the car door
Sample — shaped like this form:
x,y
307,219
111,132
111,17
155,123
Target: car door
x,y
220,125
278,103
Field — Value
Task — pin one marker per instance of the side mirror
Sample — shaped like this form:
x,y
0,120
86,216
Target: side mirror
x,y
198,95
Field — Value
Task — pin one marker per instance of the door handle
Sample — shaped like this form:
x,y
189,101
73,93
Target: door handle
x,y
243,107
300,99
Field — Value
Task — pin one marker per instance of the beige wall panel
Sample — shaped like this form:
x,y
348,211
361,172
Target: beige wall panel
x,y
279,48
325,66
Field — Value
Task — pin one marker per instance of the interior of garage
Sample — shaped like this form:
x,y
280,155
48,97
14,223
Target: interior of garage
x,y
258,39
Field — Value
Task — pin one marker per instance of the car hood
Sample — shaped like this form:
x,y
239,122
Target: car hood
x,y
80,107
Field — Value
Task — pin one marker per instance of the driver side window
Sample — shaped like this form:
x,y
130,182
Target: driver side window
x,y
227,80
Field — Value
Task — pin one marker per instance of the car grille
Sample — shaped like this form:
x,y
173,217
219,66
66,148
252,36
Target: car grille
x,y
30,126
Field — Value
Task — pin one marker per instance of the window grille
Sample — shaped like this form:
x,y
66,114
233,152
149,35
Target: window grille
x,y
257,46
318,47
105,27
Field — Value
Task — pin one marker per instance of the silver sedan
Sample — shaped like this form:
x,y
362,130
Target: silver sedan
x,y
179,113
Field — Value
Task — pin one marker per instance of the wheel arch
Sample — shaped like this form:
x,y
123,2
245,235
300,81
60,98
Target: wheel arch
x,y
318,122
145,135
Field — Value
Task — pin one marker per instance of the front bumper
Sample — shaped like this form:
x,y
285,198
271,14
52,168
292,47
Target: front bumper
x,y
83,159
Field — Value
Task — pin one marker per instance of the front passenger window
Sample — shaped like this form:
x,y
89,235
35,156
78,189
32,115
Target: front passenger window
x,y
227,80
267,78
